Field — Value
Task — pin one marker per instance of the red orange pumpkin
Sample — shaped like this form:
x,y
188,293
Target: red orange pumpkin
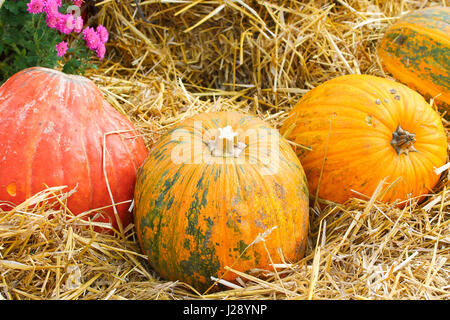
x,y
52,132
416,51
210,189
357,130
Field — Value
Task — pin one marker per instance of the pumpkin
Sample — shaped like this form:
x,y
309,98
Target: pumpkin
x,y
354,131
52,132
416,51
210,189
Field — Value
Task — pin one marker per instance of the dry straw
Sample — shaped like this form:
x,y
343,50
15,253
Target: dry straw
x,y
258,57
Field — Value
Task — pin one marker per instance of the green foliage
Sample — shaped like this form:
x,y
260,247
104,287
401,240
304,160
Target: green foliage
x,y
77,58
26,41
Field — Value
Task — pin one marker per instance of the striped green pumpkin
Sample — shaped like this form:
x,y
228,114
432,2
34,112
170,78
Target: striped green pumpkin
x,y
199,207
416,51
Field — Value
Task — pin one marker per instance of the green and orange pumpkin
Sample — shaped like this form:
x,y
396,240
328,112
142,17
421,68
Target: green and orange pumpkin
x,y
58,130
416,51
354,131
210,189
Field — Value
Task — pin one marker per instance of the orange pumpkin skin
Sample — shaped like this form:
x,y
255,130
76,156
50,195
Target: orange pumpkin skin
x,y
416,51
349,123
52,127
195,216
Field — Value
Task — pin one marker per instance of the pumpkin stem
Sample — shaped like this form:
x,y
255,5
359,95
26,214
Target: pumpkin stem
x,y
226,144
403,141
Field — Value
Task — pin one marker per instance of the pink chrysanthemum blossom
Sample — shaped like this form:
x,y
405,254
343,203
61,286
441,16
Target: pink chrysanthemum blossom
x,y
35,6
61,48
91,37
101,50
78,24
51,7
102,33
52,20
66,23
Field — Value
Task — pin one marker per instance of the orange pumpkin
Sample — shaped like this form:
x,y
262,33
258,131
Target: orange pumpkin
x,y
52,132
360,129
209,189
416,51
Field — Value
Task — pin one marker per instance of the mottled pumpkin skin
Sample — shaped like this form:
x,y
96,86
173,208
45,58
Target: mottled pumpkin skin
x,y
349,123
52,127
416,51
196,216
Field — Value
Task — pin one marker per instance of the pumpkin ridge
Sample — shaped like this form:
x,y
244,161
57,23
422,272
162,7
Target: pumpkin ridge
x,y
407,76
404,75
309,105
317,161
420,159
374,133
63,139
370,176
362,122
88,165
316,105
417,169
175,185
414,173
30,184
116,159
430,33
258,179
392,178
201,254
95,141
83,136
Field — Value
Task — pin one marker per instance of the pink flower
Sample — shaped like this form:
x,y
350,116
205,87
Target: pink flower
x,y
53,15
78,24
35,6
102,33
101,50
78,3
65,23
70,21
51,7
61,48
91,37
96,39
52,20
